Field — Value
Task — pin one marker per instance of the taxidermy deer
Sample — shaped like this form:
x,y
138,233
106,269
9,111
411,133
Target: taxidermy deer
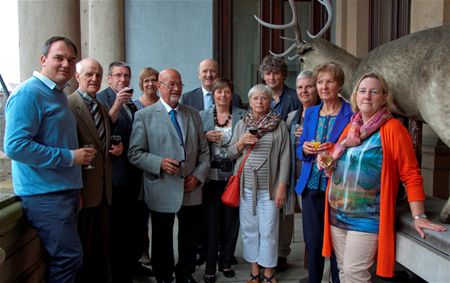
x,y
416,67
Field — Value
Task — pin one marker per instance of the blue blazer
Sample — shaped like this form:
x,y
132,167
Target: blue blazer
x,y
309,133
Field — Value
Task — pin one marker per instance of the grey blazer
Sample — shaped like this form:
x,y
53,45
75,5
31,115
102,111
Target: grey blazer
x,y
194,99
153,138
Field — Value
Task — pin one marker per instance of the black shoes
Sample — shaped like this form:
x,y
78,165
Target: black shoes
x,y
143,270
209,278
282,264
229,273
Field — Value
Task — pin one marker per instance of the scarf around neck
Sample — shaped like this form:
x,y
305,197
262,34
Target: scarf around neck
x,y
267,123
359,131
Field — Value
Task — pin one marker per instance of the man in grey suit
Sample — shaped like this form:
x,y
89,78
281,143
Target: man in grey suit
x,y
201,98
168,143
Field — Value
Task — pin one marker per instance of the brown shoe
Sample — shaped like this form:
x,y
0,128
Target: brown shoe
x,y
254,278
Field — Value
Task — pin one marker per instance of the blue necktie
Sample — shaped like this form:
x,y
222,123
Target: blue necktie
x,y
173,118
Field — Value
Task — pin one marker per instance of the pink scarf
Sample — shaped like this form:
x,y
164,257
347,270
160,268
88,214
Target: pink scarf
x,y
359,131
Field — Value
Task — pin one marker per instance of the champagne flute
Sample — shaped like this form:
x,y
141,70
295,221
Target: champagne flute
x,y
90,165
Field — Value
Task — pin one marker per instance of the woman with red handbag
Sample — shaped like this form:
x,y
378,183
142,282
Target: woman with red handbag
x,y
261,142
222,221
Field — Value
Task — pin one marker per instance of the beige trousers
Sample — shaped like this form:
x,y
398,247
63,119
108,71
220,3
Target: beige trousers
x,y
355,254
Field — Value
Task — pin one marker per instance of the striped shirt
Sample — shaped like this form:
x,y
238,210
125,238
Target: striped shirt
x,y
257,162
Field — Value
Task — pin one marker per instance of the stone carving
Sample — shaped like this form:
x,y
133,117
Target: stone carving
x,y
415,66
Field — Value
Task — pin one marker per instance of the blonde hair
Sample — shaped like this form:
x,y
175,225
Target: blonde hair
x,y
384,87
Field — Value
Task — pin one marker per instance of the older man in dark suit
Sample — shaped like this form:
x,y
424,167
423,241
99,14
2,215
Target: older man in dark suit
x,y
93,128
201,98
127,212
169,144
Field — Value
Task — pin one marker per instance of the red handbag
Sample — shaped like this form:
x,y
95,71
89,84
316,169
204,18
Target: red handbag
x,y
231,194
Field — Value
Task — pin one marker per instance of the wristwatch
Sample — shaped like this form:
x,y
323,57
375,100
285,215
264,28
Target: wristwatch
x,y
423,216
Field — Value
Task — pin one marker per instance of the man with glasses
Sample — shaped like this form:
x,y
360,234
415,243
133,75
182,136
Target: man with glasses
x,y
127,212
169,144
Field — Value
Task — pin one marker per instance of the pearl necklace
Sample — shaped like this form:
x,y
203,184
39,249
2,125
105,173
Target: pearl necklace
x,y
216,121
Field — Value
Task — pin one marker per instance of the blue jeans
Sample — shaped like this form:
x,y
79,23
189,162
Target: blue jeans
x,y
54,216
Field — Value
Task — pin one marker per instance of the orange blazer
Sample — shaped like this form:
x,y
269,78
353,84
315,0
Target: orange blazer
x,y
399,163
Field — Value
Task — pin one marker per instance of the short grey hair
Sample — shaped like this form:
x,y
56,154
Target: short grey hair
x,y
305,74
260,88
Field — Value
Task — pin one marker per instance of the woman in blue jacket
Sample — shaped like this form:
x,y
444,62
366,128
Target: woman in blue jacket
x,y
322,127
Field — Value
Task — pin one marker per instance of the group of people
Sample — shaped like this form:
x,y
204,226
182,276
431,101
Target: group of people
x,y
94,167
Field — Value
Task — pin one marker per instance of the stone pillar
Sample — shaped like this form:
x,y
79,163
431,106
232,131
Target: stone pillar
x,y
103,36
435,154
352,24
38,21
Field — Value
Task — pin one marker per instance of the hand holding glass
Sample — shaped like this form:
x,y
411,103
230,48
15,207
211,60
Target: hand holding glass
x,y
116,139
90,165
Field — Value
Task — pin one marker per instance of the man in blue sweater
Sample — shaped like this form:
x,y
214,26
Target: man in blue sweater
x,y
41,139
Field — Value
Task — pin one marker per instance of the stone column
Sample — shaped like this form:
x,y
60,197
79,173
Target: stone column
x,y
352,24
435,154
103,36
38,21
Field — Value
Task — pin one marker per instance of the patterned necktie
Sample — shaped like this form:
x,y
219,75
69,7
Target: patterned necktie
x,y
98,121
173,118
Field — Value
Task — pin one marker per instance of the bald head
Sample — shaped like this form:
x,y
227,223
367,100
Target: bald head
x,y
89,75
208,71
170,86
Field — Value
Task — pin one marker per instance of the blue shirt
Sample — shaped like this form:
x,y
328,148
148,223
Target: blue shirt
x,y
40,135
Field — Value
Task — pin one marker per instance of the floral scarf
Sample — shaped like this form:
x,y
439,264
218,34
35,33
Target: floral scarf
x,y
267,124
359,131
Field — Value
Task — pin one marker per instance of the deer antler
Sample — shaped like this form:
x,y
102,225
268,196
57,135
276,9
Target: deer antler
x,y
298,42
327,5
293,24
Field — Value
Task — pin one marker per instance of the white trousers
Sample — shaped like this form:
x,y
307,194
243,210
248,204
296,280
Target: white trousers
x,y
259,232
355,254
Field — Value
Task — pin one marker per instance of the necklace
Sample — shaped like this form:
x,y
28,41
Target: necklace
x,y
216,121
334,110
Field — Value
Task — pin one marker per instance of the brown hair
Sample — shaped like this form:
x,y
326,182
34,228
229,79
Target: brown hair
x,y
334,69
384,87
273,64
145,73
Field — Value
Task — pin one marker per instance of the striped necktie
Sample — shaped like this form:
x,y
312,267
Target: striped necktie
x,y
98,121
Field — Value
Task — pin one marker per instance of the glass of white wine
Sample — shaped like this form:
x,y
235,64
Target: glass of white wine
x,y
90,165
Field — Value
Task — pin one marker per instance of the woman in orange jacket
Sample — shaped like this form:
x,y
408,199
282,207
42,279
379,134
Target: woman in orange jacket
x,y
372,155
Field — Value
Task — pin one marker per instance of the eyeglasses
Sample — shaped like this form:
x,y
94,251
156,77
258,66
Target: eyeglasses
x,y
172,85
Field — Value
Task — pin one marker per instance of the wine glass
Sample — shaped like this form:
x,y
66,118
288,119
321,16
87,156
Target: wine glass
x,y
116,139
90,165
253,130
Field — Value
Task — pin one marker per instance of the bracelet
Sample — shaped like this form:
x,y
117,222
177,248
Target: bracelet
x,y
420,216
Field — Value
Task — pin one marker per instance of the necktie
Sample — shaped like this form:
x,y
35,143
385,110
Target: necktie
x,y
173,118
208,99
98,121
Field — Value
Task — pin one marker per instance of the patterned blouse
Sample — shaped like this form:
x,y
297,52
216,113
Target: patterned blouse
x,y
318,180
354,195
